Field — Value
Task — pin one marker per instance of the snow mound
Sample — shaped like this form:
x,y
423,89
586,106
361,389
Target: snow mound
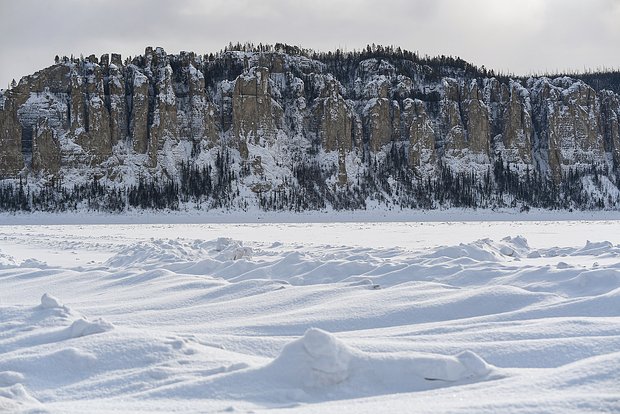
x,y
514,246
154,253
469,250
319,360
563,265
83,327
33,263
595,248
594,282
166,253
230,249
79,327
474,365
479,251
17,399
50,302
10,378
73,361
484,250
7,260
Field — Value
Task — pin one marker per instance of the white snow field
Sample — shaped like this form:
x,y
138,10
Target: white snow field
x,y
373,317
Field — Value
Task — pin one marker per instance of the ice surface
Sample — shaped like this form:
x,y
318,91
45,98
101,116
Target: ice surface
x,y
324,317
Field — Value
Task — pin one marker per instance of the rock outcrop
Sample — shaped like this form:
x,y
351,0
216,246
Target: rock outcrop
x,y
568,115
517,129
11,156
341,115
421,134
45,150
253,116
139,124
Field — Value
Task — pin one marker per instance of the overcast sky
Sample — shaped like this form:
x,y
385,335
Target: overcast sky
x,y
517,36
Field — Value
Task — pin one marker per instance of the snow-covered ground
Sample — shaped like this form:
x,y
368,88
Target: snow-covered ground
x,y
352,317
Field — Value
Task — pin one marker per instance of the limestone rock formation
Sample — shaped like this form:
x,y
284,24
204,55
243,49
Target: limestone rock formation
x,y
254,113
517,128
293,118
421,134
139,110
196,115
476,120
11,157
568,114
45,150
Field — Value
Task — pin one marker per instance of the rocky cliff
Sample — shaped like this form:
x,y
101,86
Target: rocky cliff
x,y
360,126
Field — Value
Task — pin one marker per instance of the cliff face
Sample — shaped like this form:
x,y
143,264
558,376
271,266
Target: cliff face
x,y
111,120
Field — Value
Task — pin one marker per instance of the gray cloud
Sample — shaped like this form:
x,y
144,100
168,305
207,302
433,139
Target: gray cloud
x,y
519,37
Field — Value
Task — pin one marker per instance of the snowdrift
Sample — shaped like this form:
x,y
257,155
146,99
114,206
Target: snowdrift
x,y
205,319
319,359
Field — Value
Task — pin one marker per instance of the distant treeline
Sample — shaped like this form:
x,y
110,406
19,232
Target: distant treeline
x,y
340,61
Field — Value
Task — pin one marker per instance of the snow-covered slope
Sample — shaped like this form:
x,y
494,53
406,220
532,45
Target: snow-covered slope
x,y
181,318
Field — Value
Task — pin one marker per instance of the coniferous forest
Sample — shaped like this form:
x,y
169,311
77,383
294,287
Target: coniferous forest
x,y
390,184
